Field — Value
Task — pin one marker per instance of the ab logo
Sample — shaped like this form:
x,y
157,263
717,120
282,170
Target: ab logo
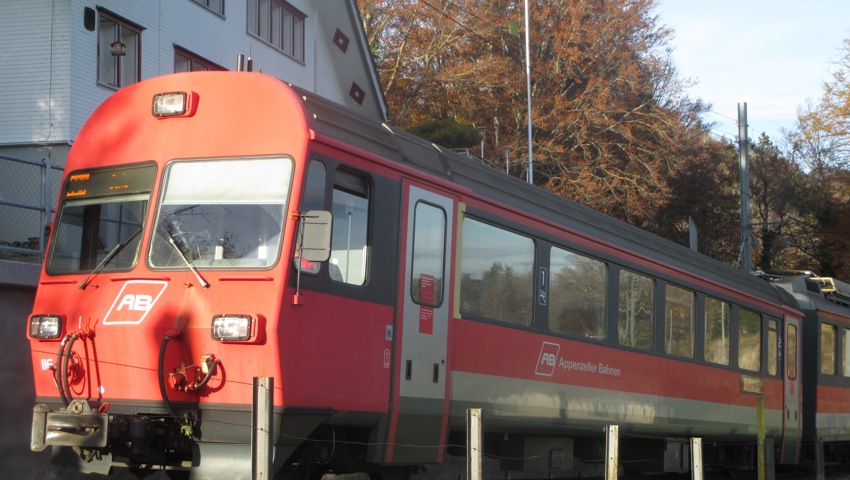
x,y
134,302
548,359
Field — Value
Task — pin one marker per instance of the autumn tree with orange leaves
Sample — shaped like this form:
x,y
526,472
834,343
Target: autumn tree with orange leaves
x,y
608,110
612,126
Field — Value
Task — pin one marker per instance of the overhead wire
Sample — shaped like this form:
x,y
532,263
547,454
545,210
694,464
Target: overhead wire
x,y
721,134
458,22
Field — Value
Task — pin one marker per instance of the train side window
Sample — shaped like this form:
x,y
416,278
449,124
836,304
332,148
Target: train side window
x,y
827,349
429,248
772,338
497,279
577,294
636,310
845,352
679,321
717,318
791,354
349,247
313,198
749,340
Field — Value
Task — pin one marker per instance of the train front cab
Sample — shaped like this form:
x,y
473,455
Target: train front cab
x,y
170,284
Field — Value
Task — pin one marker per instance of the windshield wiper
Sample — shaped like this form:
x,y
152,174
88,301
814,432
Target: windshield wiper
x,y
170,229
109,256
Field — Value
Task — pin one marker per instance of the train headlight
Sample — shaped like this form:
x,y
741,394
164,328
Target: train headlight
x,y
45,326
170,104
231,328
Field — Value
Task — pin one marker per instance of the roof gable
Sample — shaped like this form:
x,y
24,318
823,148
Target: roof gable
x,y
352,59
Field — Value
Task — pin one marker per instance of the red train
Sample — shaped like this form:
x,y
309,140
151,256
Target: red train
x,y
216,227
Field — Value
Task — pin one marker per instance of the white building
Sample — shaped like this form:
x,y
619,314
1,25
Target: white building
x,y
59,59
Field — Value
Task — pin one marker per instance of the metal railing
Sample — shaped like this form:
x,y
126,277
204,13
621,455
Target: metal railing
x,y
28,192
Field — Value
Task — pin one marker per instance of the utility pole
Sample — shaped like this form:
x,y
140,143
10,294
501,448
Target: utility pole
x,y
744,175
529,172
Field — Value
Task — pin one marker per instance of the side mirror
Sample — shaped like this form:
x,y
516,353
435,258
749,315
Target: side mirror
x,y
315,241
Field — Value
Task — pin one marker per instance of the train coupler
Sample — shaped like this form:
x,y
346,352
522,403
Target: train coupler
x,y
76,425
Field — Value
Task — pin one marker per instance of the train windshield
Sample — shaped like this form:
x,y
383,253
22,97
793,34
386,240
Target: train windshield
x,y
100,220
221,214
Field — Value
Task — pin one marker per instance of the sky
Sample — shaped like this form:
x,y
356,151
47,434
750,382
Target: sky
x,y
771,54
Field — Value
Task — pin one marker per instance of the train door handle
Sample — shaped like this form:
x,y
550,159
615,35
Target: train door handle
x,y
436,373
408,370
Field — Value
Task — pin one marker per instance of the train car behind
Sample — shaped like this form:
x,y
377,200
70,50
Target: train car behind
x,y
826,365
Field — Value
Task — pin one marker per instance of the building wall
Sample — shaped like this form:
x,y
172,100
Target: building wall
x,y
183,23
34,93
59,56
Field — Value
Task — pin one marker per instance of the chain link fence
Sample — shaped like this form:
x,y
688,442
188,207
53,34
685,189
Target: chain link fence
x,y
28,192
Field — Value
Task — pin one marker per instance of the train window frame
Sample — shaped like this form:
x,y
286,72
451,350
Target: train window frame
x,y
420,291
351,189
650,316
555,294
752,333
73,195
464,286
670,321
845,351
207,248
709,353
791,340
313,197
772,346
822,358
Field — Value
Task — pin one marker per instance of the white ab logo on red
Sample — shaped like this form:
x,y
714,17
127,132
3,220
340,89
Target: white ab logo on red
x,y
548,359
140,302
134,302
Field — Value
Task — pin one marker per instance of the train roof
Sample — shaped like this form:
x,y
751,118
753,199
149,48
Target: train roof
x,y
818,293
334,121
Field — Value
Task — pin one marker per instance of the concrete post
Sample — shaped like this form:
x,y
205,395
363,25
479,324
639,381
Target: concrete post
x,y
261,434
474,466
612,456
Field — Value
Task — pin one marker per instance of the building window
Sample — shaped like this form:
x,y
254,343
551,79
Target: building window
x,y
577,294
216,6
717,317
118,51
679,321
636,310
278,24
185,61
497,278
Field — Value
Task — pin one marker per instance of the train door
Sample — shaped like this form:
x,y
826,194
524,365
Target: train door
x,y
420,375
790,451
